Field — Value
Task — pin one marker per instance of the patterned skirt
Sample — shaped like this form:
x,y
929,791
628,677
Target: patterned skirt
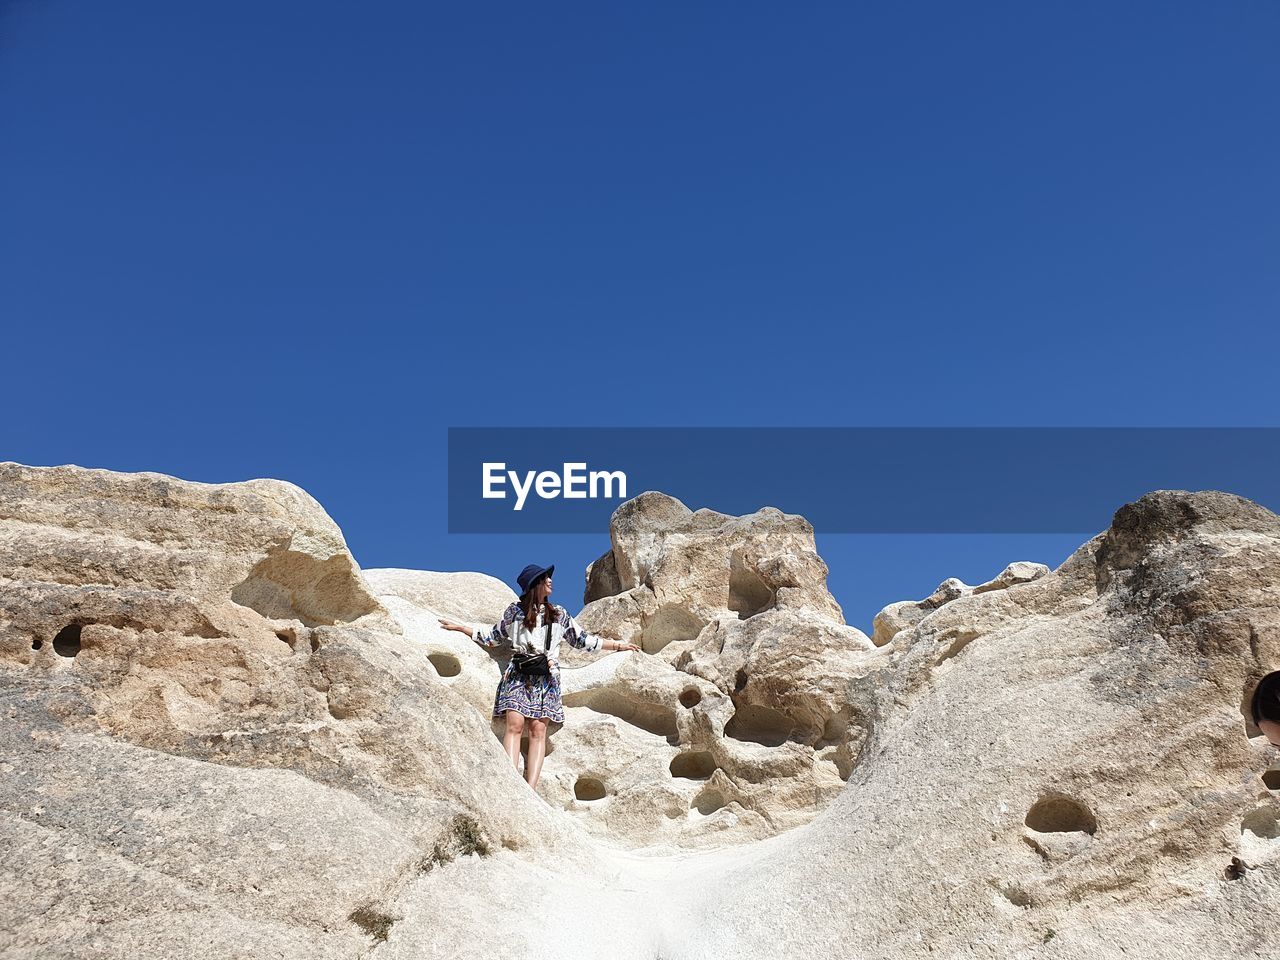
x,y
530,696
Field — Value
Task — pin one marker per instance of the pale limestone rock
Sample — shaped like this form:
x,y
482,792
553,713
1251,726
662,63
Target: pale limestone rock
x,y
1057,766
1060,769
672,570
1070,756
465,597
896,617
948,590
418,599
740,603
1015,573
207,713
905,614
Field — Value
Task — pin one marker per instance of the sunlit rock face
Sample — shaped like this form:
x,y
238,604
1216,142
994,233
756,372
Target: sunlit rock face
x,y
220,737
671,570
211,727
1066,767
741,719
751,679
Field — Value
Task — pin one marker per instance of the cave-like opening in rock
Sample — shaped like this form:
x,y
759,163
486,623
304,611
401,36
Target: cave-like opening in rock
x,y
748,593
755,723
589,788
67,642
669,624
1061,814
1271,779
1263,823
693,765
708,801
446,664
690,697
651,717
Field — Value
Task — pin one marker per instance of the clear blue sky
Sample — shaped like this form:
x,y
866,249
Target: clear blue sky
x,y
301,239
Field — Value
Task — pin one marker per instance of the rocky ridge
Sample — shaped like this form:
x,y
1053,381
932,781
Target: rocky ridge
x,y
218,730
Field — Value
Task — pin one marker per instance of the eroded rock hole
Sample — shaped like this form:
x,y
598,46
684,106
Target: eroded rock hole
x,y
651,717
1271,779
446,664
739,681
758,724
748,593
1263,823
67,642
669,624
37,643
1059,814
832,730
315,643
693,765
589,788
288,636
690,697
708,801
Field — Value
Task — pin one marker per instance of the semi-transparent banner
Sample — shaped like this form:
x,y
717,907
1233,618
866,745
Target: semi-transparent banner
x,y
848,479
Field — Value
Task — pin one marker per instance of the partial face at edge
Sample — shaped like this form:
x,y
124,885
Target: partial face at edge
x,y
1271,729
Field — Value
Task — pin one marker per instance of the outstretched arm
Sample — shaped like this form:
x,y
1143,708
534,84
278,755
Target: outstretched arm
x,y
583,640
496,636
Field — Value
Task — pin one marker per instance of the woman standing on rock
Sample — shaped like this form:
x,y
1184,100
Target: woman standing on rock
x,y
530,686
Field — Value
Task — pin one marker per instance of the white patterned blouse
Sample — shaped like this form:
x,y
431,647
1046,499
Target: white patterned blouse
x,y
511,630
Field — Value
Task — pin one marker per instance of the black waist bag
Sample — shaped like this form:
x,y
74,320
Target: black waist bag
x,y
533,664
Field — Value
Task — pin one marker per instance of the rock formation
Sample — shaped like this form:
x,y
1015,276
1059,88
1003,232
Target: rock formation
x,y
735,726
221,737
210,724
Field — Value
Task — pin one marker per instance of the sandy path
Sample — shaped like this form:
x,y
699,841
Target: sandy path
x,y
627,905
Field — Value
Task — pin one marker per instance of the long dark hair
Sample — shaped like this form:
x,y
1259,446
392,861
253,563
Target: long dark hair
x,y
1266,699
531,609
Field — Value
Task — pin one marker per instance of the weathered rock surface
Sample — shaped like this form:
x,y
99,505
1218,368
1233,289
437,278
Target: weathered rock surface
x,y
475,597
741,604
212,731
1068,771
671,570
220,737
739,730
904,614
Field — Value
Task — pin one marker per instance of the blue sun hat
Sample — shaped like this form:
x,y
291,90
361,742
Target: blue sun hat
x,y
531,574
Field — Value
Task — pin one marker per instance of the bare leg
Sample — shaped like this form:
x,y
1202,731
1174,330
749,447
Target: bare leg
x,y
537,750
511,739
